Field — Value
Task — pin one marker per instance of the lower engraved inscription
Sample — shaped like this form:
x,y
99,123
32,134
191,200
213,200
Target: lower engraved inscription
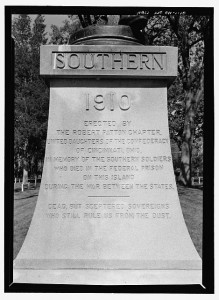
x,y
100,210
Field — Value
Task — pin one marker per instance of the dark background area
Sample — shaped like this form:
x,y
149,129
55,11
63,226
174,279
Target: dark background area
x,y
208,173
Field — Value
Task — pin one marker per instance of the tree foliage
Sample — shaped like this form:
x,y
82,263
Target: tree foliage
x,y
190,32
31,93
60,35
186,95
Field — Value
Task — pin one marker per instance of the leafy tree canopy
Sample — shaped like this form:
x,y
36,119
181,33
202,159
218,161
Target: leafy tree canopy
x,y
31,93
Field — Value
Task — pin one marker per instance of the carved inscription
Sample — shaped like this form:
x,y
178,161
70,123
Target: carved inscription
x,y
109,61
109,211
109,159
100,102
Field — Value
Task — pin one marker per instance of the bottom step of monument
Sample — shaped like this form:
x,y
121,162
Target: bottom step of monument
x,y
109,277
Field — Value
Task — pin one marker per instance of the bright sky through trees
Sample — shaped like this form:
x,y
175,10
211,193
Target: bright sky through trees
x,y
49,20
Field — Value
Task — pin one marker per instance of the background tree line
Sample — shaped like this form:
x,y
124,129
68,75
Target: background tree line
x,y
190,33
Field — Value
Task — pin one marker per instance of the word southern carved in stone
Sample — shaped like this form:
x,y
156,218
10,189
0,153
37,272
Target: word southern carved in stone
x,y
109,61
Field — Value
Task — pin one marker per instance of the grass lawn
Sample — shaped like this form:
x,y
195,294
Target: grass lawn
x,y
24,205
191,202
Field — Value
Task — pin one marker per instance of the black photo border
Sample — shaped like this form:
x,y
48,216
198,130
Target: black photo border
x,y
207,286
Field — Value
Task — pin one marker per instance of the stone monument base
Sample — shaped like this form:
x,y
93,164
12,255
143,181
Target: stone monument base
x,y
109,277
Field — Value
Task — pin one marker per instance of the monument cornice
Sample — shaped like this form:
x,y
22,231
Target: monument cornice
x,y
112,61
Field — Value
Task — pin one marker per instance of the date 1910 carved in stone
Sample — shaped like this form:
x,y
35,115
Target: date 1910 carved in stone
x,y
100,101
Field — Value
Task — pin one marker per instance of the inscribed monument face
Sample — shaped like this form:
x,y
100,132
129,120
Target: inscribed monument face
x,y
108,198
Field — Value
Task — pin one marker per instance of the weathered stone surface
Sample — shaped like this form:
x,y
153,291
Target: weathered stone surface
x,y
108,198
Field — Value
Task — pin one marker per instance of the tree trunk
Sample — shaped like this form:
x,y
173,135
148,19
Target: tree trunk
x,y
191,104
25,174
186,151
